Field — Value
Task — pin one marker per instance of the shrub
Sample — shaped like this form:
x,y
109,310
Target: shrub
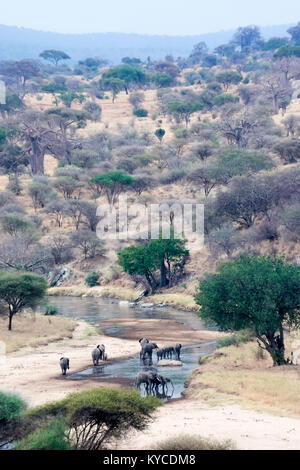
x,y
235,340
11,407
92,279
190,442
225,98
140,112
49,437
51,310
103,413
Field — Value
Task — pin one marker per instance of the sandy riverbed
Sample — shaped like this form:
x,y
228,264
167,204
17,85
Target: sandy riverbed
x,y
35,374
248,429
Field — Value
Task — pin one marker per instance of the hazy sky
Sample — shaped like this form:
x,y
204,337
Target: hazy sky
x,y
180,17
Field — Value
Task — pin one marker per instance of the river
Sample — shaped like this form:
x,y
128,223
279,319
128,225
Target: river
x,y
94,310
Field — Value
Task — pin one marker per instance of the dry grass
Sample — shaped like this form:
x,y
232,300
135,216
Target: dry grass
x,y
97,291
190,442
183,301
179,300
241,373
34,330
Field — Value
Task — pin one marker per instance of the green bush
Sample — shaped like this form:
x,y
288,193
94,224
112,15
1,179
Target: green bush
x,y
105,413
53,436
92,279
140,112
190,442
51,310
11,406
236,339
225,98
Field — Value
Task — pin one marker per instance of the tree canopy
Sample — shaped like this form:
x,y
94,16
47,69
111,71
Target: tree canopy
x,y
19,290
258,292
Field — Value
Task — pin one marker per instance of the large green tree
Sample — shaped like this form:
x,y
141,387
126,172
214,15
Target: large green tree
x,y
258,292
167,256
128,74
19,290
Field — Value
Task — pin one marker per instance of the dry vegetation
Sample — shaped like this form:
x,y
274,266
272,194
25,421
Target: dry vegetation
x,y
243,374
34,329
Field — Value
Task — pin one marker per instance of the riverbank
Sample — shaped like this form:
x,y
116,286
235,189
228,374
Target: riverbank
x,y
34,372
248,429
176,300
34,329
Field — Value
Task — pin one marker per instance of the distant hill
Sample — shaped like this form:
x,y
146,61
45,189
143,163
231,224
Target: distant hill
x,y
18,43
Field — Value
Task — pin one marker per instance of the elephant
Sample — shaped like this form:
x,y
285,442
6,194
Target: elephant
x,y
147,350
177,349
99,354
64,364
164,381
149,378
168,352
143,342
160,354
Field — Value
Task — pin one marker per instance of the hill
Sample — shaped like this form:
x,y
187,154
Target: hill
x,y
17,43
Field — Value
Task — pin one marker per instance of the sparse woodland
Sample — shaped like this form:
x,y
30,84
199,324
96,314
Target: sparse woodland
x,y
219,127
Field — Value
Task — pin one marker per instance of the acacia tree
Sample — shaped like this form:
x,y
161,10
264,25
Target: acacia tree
x,y
113,84
230,77
183,110
54,56
112,184
19,290
258,292
128,74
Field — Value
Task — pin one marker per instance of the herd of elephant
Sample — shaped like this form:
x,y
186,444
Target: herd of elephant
x,y
149,375
162,353
98,354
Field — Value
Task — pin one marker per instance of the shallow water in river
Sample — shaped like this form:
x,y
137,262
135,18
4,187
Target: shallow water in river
x,y
95,309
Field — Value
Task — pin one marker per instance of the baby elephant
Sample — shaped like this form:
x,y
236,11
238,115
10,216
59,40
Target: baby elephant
x,y
64,365
160,354
148,378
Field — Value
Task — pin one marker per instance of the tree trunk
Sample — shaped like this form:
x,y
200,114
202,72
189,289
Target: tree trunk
x,y
10,317
274,345
275,104
163,274
37,160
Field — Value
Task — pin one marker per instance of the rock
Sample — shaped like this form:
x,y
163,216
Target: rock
x,y
168,362
57,277
146,304
123,303
142,294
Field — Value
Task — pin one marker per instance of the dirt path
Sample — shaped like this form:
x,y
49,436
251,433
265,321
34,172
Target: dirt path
x,y
248,429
